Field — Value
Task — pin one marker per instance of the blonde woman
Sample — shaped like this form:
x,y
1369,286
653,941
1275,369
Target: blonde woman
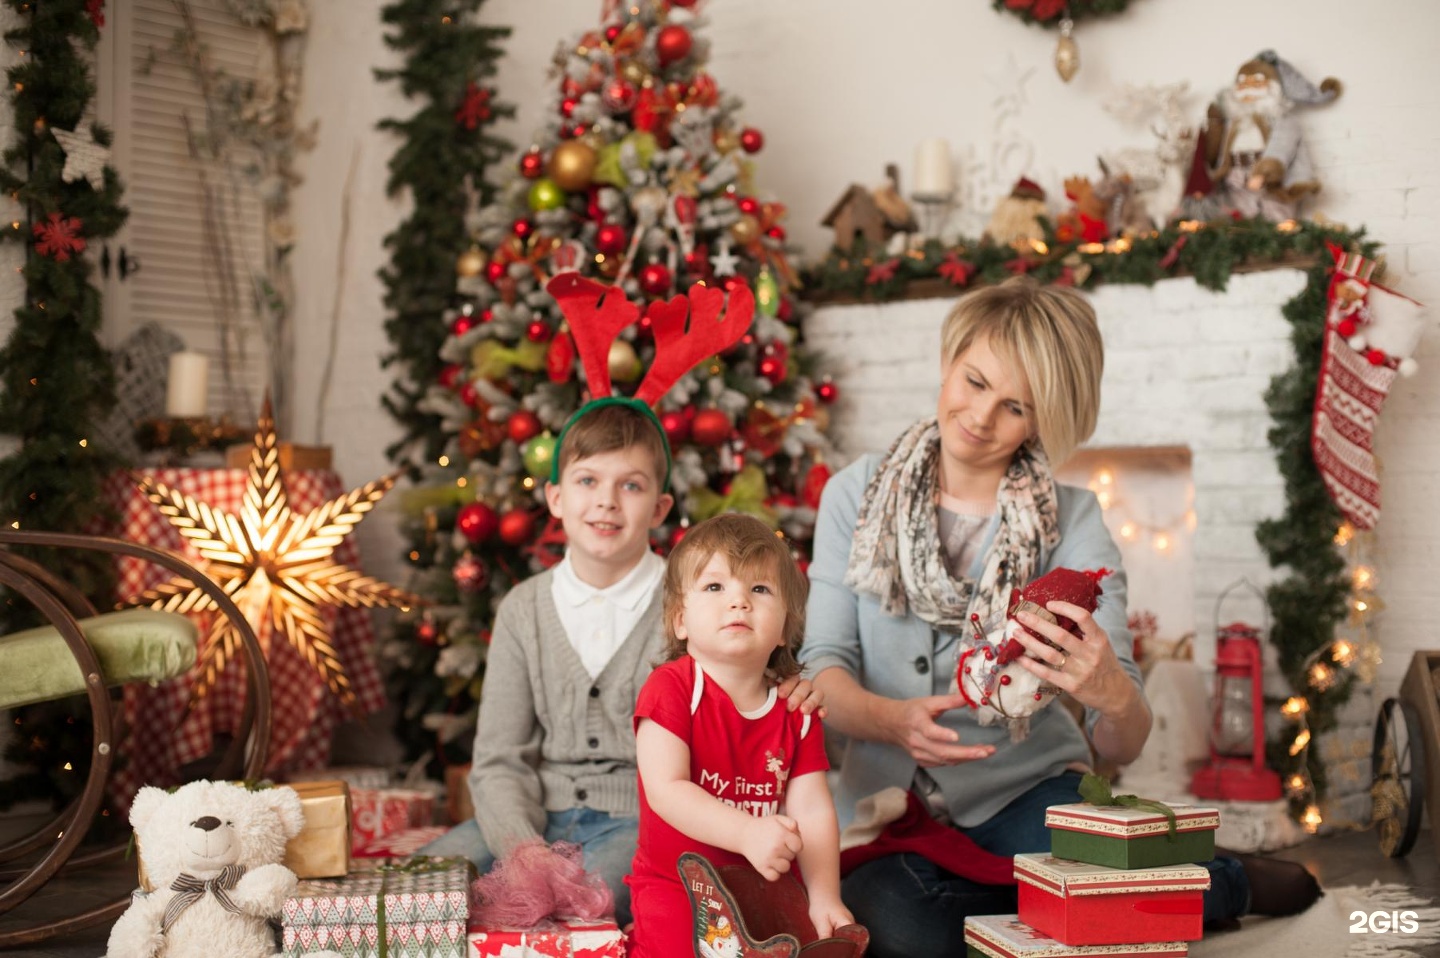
x,y
908,546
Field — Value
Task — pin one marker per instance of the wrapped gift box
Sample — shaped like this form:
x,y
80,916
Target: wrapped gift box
x,y
378,812
1082,904
561,938
1006,936
401,844
356,776
1117,836
421,905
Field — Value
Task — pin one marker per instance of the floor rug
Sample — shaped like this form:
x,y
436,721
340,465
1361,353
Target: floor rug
x,y
1340,925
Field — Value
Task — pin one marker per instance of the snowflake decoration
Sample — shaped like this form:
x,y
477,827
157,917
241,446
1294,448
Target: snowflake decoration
x,y
475,108
59,236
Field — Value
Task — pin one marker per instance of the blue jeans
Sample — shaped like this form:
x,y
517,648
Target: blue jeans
x,y
608,842
915,909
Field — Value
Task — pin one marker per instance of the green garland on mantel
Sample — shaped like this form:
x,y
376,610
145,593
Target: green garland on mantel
x,y
1307,605
1049,13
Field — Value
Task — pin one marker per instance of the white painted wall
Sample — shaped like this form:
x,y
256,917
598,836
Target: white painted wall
x,y
840,88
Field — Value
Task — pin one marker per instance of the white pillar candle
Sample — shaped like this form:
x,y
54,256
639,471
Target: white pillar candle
x,y
187,387
933,173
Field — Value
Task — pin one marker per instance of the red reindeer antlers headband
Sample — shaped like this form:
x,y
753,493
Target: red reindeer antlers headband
x,y
596,315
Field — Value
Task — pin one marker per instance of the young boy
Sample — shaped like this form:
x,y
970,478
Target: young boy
x,y
554,752
723,771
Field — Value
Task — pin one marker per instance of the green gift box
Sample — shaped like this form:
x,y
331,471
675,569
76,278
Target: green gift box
x,y
1120,836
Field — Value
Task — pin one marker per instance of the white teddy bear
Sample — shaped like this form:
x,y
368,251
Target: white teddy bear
x,y
212,850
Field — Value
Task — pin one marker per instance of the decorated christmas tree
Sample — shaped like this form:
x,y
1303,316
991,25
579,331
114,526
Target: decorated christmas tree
x,y
641,178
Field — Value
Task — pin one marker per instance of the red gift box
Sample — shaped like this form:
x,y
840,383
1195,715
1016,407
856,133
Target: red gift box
x,y
378,812
401,844
558,938
1082,904
1005,936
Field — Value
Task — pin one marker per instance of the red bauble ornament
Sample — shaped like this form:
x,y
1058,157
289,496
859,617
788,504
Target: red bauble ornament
x,y
751,140
611,32
538,331
571,88
711,427
476,522
462,324
427,632
523,425
697,261
517,526
560,358
494,272
730,282
619,95
1376,357
654,279
449,374
772,368
645,328
687,4
487,314
827,392
748,205
672,43
469,573
567,107
610,239
532,165
1346,328
776,233
676,426
469,395
678,535
785,311
522,228
814,485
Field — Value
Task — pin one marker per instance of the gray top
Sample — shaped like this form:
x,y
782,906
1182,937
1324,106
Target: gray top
x,y
550,738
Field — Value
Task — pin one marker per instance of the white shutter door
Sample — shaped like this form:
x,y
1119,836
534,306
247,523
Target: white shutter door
x,y
180,229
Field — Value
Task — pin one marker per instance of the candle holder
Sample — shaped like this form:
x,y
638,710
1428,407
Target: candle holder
x,y
932,211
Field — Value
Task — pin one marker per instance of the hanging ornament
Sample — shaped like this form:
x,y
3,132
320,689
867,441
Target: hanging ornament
x,y
517,526
711,427
59,236
676,426
752,140
522,228
470,574
772,366
560,357
827,392
523,425
572,164
634,71
471,262
476,522
84,158
427,632
697,261
538,331
610,239
745,230
748,205
462,324
537,454
619,95
449,375
672,43
767,293
814,484
655,279
785,310
494,272
532,165
479,436
1067,54
623,363
546,194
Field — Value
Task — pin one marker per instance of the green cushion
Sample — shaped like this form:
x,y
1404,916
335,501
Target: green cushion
x,y
134,645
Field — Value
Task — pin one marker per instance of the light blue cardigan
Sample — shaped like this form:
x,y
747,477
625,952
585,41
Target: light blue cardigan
x,y
905,658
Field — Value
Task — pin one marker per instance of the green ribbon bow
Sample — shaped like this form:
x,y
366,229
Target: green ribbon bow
x,y
1095,789
746,495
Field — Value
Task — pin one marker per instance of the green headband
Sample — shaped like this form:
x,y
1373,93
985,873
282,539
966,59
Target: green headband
x,y
629,403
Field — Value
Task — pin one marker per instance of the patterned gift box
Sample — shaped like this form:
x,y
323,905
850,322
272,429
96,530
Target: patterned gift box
x,y
401,844
560,938
378,812
356,776
1006,936
412,908
1081,904
1118,836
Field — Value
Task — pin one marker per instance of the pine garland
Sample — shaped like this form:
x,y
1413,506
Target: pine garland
x,y
445,54
1049,13
1307,605
58,379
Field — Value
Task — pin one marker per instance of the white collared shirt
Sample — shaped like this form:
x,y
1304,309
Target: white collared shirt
x,y
598,621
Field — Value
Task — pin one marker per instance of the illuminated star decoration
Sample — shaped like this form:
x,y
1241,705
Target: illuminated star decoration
x,y
84,158
277,565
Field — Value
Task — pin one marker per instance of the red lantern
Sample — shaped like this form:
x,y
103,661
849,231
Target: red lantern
x,y
476,522
751,140
655,279
523,425
711,427
1236,770
672,43
517,526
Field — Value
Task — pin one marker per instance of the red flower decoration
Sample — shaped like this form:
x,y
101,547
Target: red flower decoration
x,y
475,108
958,271
1019,265
1047,9
95,8
882,272
59,237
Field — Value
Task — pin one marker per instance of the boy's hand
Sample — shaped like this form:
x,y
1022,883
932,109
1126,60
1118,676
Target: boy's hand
x,y
826,916
770,844
801,693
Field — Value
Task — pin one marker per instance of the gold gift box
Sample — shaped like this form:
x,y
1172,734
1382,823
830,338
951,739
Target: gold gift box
x,y
322,849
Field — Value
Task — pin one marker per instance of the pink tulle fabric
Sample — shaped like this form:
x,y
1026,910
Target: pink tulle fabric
x,y
538,881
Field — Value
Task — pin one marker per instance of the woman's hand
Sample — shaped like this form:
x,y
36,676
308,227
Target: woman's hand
x,y
801,693
910,724
1089,670
826,916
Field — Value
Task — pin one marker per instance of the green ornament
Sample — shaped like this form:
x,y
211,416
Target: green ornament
x,y
767,293
538,453
608,166
546,195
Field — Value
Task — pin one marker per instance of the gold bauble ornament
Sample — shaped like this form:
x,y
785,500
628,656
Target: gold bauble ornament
x,y
471,262
634,71
745,229
1067,54
572,165
624,364
727,141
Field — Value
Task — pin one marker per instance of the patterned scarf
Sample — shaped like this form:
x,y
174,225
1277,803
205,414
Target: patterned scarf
x,y
189,889
897,556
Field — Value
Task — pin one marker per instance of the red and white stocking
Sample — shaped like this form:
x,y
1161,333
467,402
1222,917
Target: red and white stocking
x,y
1370,335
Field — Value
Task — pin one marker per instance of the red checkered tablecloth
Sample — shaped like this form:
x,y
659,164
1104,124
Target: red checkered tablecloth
x,y
162,737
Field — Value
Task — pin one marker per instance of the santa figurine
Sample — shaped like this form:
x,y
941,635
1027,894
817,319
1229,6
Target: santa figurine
x,y
1016,220
988,674
1254,153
